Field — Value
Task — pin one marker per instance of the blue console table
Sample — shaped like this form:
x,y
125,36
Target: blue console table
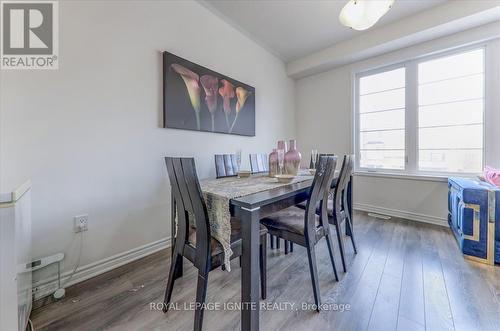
x,y
474,217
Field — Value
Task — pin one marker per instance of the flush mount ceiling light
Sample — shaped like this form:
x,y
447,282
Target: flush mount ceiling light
x,y
363,14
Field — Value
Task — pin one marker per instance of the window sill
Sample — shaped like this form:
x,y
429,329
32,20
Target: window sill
x,y
429,178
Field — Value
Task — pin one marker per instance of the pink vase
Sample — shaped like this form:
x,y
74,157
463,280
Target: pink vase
x,y
273,163
292,159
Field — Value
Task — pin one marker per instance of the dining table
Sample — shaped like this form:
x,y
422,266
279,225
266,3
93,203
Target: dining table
x,y
249,209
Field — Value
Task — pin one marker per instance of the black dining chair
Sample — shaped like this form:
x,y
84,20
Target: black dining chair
x,y
226,165
259,163
197,244
338,210
305,227
338,207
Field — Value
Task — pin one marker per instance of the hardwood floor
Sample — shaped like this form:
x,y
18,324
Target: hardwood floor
x,y
406,276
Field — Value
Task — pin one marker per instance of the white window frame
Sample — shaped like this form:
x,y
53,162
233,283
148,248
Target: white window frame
x,y
411,116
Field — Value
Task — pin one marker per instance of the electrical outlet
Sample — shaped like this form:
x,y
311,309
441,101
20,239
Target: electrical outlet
x,y
81,223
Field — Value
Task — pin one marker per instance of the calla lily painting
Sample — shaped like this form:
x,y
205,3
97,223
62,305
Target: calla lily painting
x,y
197,98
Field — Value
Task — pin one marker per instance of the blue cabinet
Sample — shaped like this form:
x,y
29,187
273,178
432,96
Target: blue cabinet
x,y
474,217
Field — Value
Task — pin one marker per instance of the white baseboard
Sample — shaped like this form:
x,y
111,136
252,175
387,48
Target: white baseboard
x,y
47,286
402,214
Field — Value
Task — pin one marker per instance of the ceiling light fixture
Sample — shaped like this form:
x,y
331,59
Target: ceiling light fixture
x,y
363,14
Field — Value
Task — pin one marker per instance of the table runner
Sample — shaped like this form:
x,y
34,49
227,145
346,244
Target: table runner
x,y
218,193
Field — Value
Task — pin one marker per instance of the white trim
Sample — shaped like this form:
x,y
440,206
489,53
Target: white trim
x,y
47,286
441,221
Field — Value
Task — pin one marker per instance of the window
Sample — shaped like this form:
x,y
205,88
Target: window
x,y
423,116
450,113
382,120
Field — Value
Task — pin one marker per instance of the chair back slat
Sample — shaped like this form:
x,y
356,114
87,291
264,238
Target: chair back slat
x,y
200,213
220,169
343,181
226,165
259,163
325,172
181,182
253,163
182,217
265,161
234,165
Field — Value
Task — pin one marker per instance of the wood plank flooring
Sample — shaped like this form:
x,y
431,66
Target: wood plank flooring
x,y
406,276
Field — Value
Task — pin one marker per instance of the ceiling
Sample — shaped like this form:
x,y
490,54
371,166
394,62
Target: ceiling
x,y
292,29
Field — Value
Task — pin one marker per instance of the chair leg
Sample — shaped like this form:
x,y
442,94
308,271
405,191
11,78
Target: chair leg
x,y
341,242
348,225
287,246
314,275
291,246
352,237
277,242
174,265
201,293
271,238
263,267
330,250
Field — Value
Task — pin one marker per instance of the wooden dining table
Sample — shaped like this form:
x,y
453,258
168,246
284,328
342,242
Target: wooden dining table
x,y
250,209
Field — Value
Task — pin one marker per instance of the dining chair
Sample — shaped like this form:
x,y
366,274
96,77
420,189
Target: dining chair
x,y
226,165
338,208
196,243
259,163
305,227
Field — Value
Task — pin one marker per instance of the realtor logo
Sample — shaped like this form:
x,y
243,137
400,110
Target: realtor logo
x,y
29,35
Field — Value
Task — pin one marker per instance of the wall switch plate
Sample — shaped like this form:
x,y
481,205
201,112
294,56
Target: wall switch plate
x,y
81,223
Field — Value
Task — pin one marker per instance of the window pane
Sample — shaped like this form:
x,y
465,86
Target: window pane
x,y
462,64
456,113
383,81
382,159
469,161
456,89
382,120
393,139
393,119
450,113
470,136
391,99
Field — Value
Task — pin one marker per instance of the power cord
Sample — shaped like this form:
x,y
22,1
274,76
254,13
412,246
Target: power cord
x,y
60,292
77,261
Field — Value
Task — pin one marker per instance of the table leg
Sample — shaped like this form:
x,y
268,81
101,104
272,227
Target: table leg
x,y
349,205
250,267
173,230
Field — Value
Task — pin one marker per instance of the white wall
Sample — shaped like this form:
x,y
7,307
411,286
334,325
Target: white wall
x,y
324,112
89,137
